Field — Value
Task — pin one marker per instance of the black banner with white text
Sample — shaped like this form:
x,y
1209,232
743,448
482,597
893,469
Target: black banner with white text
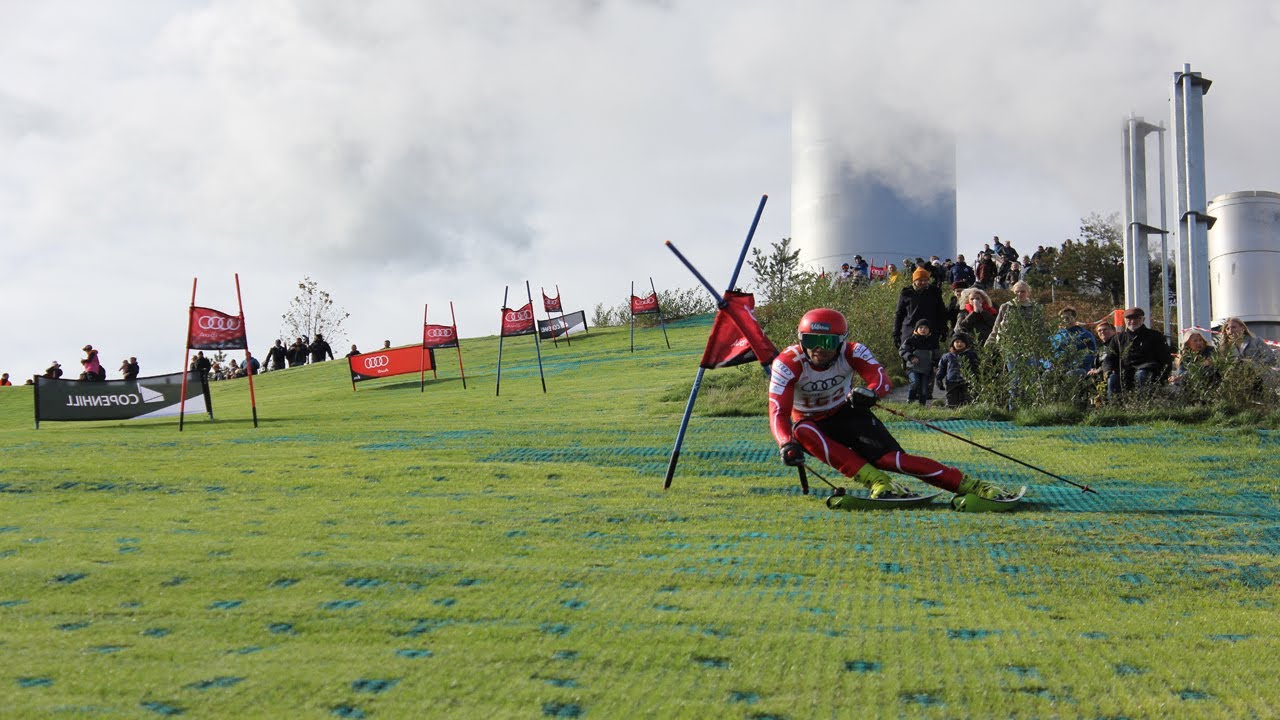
x,y
574,322
148,397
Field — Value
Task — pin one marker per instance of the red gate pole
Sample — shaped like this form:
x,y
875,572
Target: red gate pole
x,y
182,404
253,402
458,344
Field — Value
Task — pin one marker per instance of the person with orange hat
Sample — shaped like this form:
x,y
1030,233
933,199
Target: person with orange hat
x,y
815,407
921,300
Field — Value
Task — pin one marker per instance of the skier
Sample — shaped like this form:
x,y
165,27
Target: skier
x,y
814,408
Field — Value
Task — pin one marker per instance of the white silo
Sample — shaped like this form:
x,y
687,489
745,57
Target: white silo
x,y
1244,259
841,206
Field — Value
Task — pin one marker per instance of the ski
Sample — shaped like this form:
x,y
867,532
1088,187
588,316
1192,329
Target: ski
x,y
976,503
845,501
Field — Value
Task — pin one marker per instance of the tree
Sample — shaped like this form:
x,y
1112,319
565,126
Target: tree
x,y
775,271
1095,263
312,312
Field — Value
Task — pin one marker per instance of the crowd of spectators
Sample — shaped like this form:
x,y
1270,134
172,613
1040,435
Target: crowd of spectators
x,y
948,332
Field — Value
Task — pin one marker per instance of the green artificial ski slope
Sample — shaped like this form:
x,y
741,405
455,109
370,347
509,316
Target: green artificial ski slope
x,y
389,553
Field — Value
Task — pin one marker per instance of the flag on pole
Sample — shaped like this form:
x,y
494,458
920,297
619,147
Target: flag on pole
x,y
644,305
550,305
518,321
210,329
736,336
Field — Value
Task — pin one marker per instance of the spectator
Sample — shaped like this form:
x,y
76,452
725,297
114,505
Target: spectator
x,y
1002,273
1244,345
985,273
298,352
961,273
1015,273
4,380
1138,356
386,344
1194,370
1074,343
921,301
891,274
861,270
54,371
320,349
353,352
953,307
130,369
845,274
917,353
1020,334
251,364
93,369
960,362
277,355
977,316
201,365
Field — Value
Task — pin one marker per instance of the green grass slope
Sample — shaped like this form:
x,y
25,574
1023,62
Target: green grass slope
x,y
452,553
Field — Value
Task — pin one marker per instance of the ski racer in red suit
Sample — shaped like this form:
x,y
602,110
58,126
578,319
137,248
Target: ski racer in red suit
x,y
815,407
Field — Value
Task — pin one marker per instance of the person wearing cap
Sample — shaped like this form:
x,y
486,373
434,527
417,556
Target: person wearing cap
x,y
1137,356
54,371
918,354
845,274
861,270
922,300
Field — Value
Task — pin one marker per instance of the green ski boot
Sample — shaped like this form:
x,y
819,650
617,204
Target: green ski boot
x,y
974,495
879,484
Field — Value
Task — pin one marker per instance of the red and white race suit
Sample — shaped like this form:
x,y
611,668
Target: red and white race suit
x,y
809,405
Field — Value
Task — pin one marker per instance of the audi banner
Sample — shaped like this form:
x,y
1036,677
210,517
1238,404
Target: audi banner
x,y
148,397
518,322
644,305
551,305
575,322
213,330
385,363
439,336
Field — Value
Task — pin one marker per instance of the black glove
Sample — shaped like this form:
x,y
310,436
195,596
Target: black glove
x,y
792,454
942,385
863,397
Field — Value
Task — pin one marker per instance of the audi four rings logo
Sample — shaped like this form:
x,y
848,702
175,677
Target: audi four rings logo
x,y
440,332
515,315
377,361
824,384
210,322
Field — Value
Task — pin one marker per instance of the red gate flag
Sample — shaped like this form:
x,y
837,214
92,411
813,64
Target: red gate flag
x,y
439,336
212,330
879,273
551,305
518,322
644,305
385,363
736,337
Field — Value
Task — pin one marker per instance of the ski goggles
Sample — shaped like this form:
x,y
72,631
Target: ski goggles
x,y
820,341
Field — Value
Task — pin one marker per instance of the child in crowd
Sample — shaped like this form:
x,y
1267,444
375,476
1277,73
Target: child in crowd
x,y
917,352
952,368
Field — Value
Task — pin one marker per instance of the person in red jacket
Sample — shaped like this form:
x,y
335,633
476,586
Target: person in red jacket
x,y
815,407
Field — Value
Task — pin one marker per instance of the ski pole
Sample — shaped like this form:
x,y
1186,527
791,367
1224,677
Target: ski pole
x,y
804,479
931,426
803,468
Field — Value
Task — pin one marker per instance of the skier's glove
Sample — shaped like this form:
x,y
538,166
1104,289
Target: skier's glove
x,y
792,454
862,397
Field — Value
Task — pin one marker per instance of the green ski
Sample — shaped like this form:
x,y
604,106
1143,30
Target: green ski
x,y
976,503
844,501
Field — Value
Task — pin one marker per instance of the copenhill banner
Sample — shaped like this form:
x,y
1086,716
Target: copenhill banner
x,y
385,363
210,329
147,397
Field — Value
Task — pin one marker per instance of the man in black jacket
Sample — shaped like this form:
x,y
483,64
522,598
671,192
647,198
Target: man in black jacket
x,y
320,349
1137,356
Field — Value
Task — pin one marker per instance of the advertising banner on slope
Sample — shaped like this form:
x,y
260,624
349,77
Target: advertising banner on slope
x,y
644,305
551,305
148,397
385,363
575,322
213,330
518,322
439,336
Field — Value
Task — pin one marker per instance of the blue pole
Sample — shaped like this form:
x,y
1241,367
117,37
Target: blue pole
x,y
720,302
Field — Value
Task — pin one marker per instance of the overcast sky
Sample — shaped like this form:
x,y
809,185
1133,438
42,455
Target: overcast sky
x,y
402,152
